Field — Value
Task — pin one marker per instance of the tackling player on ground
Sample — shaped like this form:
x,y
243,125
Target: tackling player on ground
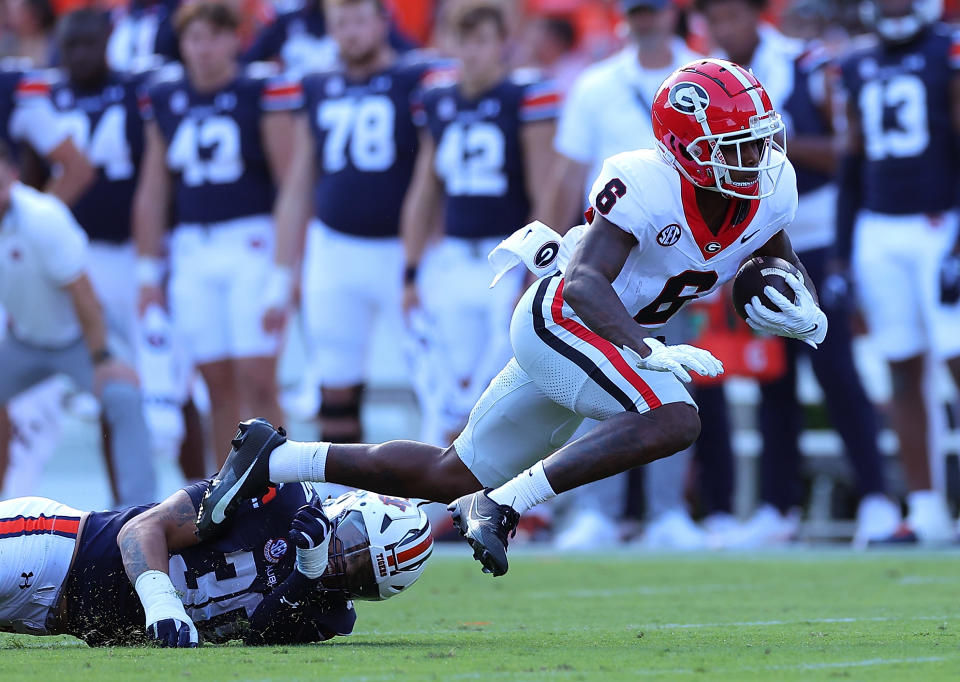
x,y
667,226
64,571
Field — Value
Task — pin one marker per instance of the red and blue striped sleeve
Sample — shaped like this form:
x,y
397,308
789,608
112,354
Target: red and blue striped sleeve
x,y
282,95
541,102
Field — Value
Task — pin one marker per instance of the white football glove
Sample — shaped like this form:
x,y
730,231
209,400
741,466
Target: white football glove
x,y
167,623
675,359
803,320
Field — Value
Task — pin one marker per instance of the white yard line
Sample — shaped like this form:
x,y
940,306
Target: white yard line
x,y
769,623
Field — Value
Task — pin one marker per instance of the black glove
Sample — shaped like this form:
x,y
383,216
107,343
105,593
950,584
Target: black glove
x,y
309,527
172,633
950,279
310,534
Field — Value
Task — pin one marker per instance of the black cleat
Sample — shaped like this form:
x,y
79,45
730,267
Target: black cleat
x,y
245,474
486,525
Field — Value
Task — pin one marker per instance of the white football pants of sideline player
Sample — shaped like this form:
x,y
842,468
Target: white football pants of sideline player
x,y
463,333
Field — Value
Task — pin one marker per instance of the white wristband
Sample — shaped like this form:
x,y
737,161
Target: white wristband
x,y
149,271
313,562
278,287
159,598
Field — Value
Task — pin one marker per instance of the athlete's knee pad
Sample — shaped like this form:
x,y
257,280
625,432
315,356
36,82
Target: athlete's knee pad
x,y
340,417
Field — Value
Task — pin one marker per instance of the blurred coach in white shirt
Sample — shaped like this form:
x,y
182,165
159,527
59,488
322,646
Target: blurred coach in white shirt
x,y
55,326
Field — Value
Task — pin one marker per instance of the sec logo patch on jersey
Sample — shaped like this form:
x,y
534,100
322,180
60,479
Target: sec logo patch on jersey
x,y
274,549
669,235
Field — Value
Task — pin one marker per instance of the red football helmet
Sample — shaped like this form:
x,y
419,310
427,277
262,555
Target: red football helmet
x,y
704,112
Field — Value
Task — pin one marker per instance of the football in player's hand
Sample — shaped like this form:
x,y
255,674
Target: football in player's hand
x,y
758,273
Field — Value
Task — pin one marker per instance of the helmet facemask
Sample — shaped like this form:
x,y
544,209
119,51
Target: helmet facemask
x,y
379,545
350,569
726,156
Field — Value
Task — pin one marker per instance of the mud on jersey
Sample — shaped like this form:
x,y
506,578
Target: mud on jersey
x,y
677,258
220,582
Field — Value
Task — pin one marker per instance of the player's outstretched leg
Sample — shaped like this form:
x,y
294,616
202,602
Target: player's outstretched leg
x,y
262,455
244,475
622,442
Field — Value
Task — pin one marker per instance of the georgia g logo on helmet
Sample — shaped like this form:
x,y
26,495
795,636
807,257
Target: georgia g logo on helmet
x,y
688,98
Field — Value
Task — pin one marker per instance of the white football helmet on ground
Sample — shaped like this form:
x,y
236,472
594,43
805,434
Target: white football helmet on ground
x,y
379,547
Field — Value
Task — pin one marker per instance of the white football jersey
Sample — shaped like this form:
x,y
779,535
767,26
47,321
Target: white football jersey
x,y
677,258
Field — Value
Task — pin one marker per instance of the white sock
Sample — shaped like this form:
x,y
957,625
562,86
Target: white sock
x,y
295,462
526,490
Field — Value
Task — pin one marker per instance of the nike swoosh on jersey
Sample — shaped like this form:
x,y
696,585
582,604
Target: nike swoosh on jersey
x,y
744,240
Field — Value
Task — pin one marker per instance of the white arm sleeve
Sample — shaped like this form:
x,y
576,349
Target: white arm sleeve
x,y
35,121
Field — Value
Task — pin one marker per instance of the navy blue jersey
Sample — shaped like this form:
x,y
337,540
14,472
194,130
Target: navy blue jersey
x,y
105,124
299,38
143,34
479,154
214,145
901,95
804,115
366,145
221,581
9,81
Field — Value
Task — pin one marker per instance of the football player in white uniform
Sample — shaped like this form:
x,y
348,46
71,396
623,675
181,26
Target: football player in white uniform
x,y
667,226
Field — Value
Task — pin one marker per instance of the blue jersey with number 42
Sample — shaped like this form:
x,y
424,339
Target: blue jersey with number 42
x,y
901,96
215,147
479,153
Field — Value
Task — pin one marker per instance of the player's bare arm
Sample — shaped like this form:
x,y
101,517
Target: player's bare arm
x,y
150,216
90,315
292,209
76,172
277,129
145,543
417,221
563,190
147,540
588,289
538,159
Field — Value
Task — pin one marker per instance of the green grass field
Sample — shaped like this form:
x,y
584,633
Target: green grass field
x,y
789,616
